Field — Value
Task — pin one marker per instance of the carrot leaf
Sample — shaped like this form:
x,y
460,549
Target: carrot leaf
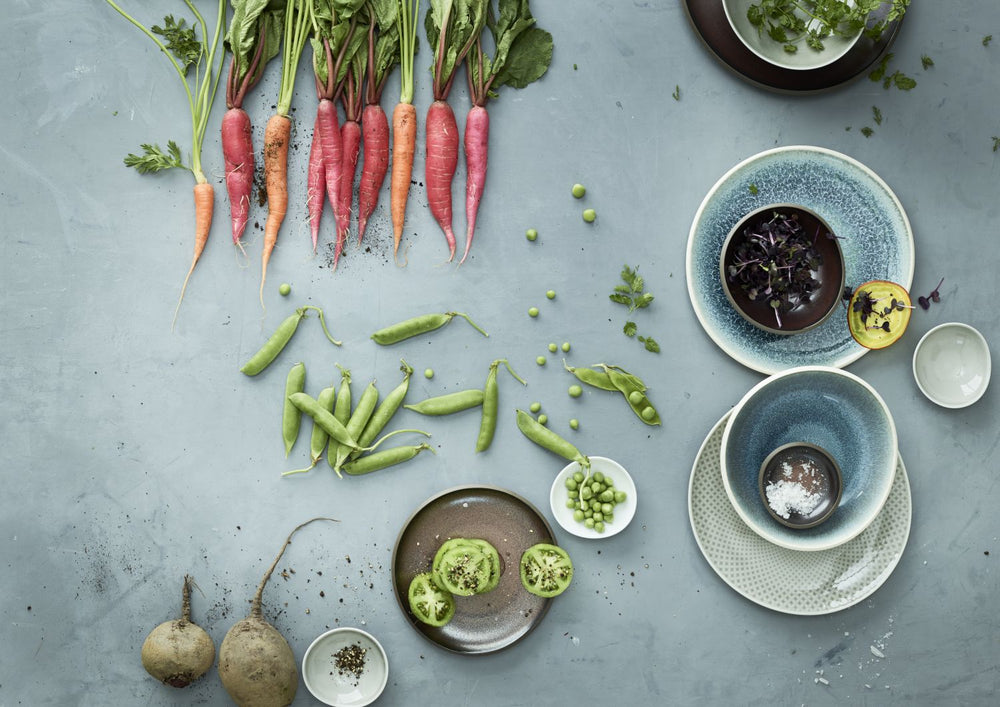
x,y
154,159
255,27
522,55
180,40
453,27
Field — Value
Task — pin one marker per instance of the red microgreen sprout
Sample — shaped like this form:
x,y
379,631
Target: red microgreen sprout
x,y
934,296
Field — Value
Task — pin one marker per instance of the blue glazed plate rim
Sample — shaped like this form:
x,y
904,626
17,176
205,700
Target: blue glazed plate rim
x,y
704,285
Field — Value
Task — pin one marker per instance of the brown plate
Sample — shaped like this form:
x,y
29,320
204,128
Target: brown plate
x,y
488,622
709,20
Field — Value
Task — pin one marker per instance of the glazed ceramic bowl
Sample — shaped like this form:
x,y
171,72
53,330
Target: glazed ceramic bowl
x,y
335,676
830,273
827,407
773,52
951,365
623,512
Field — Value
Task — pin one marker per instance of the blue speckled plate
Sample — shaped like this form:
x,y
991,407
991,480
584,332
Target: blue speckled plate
x,y
876,241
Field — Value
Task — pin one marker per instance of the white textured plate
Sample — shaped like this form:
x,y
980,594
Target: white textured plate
x,y
793,581
624,511
877,243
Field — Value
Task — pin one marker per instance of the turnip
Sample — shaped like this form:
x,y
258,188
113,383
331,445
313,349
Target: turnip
x,y
178,652
256,664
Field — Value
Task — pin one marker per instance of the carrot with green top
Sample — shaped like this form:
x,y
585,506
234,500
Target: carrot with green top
x,y
279,129
404,121
180,44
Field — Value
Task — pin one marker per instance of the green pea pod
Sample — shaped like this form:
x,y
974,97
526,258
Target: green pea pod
x,y
279,339
382,460
547,439
387,408
449,403
319,438
291,417
415,326
342,412
491,397
635,397
596,379
356,424
324,418
624,378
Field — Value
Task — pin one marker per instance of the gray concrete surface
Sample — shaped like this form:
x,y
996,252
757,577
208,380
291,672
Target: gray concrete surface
x,y
132,454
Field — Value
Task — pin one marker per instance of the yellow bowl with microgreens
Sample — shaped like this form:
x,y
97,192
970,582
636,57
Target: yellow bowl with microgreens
x,y
878,313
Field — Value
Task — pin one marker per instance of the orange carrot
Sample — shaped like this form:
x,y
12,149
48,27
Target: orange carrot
x,y
204,206
276,136
404,141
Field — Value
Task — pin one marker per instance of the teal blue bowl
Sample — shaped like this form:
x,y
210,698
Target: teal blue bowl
x,y
825,407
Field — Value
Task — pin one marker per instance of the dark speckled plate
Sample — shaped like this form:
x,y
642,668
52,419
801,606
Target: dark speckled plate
x,y
709,20
492,621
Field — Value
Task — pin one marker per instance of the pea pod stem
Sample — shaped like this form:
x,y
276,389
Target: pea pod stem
x,y
415,326
549,440
449,403
277,342
322,323
384,459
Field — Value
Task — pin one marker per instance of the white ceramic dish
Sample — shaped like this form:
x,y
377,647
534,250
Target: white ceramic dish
x,y
951,365
877,244
343,688
624,511
790,581
774,52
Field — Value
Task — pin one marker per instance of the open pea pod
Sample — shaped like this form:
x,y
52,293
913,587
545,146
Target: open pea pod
x,y
634,391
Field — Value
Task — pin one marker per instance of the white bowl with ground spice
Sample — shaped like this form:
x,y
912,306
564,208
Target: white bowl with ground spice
x,y
345,667
828,408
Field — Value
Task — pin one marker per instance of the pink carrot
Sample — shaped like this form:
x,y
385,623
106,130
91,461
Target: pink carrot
x,y
440,165
237,151
315,182
329,128
350,135
477,134
375,126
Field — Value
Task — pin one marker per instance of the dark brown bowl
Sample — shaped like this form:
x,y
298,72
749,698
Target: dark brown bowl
x,y
830,274
810,467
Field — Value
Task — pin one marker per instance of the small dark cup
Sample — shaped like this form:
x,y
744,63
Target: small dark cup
x,y
813,469
803,316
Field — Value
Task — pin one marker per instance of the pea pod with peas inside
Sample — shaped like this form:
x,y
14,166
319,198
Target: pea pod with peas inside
x,y
449,403
342,413
276,343
387,408
635,394
594,378
491,398
325,419
356,423
383,459
415,326
549,440
291,416
319,438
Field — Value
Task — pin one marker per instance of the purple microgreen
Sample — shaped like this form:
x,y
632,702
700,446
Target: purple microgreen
x,y
934,296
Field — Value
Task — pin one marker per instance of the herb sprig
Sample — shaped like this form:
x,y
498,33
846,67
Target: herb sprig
x,y
791,22
632,294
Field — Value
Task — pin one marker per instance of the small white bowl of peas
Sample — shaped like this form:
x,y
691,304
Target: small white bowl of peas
x,y
595,505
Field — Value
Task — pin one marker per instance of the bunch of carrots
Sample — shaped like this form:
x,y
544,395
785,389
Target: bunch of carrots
x,y
356,45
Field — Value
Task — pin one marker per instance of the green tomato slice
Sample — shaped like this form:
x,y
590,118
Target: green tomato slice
x,y
463,570
428,602
546,570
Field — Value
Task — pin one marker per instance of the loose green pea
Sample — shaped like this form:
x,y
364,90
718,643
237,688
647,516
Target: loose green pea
x,y
579,190
599,526
575,391
565,347
578,477
620,496
571,504
551,294
589,215
571,484
531,234
598,477
540,360
284,289
578,515
428,373
589,522
543,419
574,424
535,407
533,312
553,348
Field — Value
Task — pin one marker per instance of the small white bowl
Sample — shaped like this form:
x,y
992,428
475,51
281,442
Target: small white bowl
x,y
774,52
344,688
951,365
624,511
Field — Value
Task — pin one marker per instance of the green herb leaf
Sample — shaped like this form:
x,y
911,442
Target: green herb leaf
x,y
154,159
651,344
630,329
902,81
878,72
926,61
621,299
867,132
180,40
877,115
753,189
677,93
996,143
987,39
